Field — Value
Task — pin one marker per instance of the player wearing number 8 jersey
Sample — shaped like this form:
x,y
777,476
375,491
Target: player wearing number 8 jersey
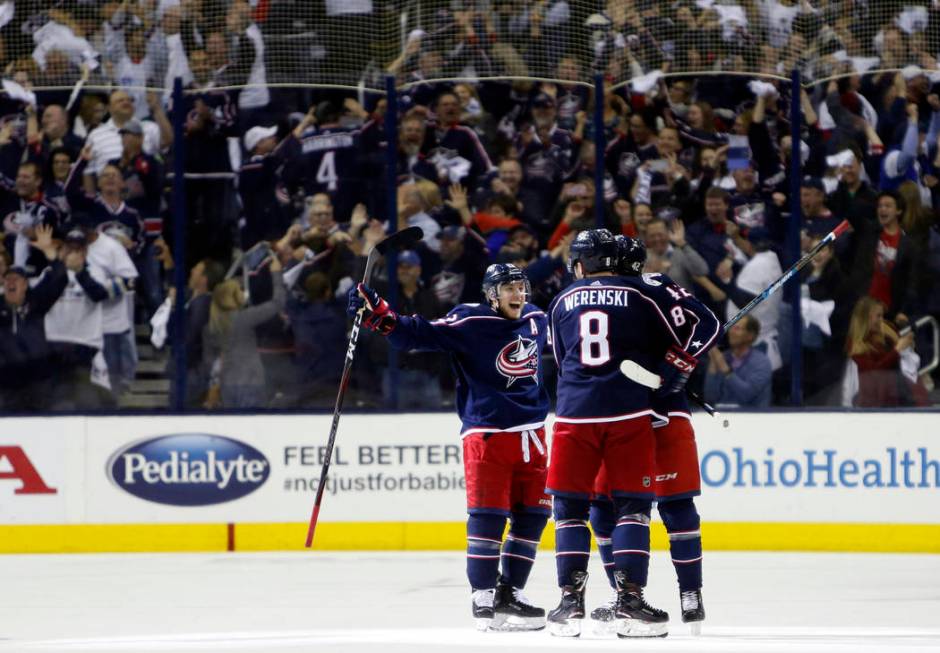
x,y
603,417
496,351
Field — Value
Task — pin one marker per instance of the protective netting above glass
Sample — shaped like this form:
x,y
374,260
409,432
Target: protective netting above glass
x,y
355,43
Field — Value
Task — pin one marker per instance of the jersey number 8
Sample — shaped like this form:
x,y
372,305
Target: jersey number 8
x,y
595,348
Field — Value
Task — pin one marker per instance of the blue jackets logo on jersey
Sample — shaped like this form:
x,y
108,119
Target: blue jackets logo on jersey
x,y
518,360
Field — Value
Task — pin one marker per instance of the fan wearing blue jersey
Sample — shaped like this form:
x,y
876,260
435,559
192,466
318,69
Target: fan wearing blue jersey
x,y
329,157
677,479
495,349
604,418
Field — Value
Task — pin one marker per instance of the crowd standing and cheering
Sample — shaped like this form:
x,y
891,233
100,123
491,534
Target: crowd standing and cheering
x,y
286,187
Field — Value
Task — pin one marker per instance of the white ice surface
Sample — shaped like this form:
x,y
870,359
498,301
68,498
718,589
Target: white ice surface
x,y
419,602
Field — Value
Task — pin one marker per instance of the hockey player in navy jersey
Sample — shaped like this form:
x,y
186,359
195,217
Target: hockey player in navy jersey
x,y
603,417
496,352
676,481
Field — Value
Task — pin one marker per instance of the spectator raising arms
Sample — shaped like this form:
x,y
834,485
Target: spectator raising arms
x,y
230,343
694,116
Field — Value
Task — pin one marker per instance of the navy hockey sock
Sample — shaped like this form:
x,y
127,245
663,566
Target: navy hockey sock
x,y
572,537
603,519
484,536
685,541
631,539
525,531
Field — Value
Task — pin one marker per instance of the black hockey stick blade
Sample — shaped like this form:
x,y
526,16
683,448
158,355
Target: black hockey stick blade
x,y
400,240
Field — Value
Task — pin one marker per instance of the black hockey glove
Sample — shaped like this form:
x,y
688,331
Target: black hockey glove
x,y
675,371
378,315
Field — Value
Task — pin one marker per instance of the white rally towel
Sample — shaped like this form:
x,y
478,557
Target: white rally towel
x,y
731,18
817,313
760,88
55,36
839,159
17,92
910,364
646,83
99,371
912,19
6,13
159,322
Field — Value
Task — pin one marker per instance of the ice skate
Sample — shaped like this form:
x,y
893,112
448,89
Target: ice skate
x,y
513,611
482,605
636,617
693,610
604,617
565,620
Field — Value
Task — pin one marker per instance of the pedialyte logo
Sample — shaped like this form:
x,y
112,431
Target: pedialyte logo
x,y
188,469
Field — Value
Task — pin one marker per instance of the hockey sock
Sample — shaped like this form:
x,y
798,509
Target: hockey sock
x,y
631,538
525,531
603,519
685,541
484,536
572,537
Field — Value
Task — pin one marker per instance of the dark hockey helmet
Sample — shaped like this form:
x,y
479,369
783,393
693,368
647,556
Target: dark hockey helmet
x,y
500,273
596,249
632,256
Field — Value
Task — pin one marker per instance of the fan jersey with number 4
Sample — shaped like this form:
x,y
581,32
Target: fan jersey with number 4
x,y
497,362
329,157
600,321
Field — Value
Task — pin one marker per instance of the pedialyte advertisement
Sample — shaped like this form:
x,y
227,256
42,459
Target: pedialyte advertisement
x,y
852,468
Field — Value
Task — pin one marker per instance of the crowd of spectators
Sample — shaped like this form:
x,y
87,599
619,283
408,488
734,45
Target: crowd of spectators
x,y
286,187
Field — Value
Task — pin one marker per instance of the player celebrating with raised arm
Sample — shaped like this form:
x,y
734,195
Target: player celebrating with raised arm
x,y
496,352
604,418
676,481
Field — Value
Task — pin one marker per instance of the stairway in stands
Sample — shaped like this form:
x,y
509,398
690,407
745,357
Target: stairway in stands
x,y
151,387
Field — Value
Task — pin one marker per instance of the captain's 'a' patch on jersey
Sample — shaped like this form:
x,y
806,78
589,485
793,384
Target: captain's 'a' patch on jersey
x,y
519,360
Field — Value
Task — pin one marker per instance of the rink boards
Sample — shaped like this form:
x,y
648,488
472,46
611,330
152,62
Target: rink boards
x,y
771,481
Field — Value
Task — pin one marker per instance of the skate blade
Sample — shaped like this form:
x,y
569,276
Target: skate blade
x,y
567,628
513,623
629,628
695,628
482,624
603,628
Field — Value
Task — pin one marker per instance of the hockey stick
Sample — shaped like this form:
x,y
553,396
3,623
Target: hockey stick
x,y
397,241
637,373
793,269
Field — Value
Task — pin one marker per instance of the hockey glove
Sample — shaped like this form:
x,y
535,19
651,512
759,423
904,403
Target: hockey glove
x,y
378,314
675,371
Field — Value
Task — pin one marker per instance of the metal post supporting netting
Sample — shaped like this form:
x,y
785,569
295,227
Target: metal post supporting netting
x,y
178,333
599,150
793,241
391,200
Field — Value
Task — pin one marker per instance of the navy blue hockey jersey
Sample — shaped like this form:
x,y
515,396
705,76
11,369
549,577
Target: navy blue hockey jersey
x,y
330,164
598,322
497,363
